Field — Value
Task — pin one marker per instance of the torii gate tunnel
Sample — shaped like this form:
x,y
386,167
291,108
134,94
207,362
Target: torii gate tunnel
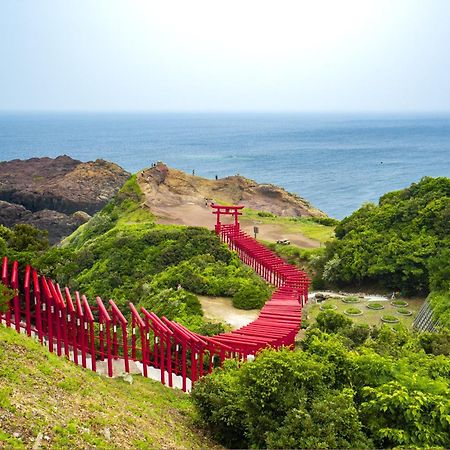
x,y
88,333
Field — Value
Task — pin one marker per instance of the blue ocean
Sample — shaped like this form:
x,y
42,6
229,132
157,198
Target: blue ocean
x,y
336,161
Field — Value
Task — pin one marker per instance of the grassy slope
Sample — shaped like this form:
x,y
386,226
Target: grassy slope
x,y
300,225
72,407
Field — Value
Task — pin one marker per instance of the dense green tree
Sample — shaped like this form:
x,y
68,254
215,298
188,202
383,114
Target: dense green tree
x,y
393,243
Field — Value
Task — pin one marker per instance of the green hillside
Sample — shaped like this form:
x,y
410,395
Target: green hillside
x,y
122,254
69,407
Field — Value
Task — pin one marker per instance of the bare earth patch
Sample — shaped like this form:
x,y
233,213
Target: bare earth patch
x,y
222,309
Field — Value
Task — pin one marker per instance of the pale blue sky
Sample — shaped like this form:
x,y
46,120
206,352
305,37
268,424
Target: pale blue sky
x,y
233,55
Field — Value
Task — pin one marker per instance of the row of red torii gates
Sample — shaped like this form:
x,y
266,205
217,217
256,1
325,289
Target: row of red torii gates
x,y
87,333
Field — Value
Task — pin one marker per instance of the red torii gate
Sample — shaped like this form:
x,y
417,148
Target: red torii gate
x,y
221,210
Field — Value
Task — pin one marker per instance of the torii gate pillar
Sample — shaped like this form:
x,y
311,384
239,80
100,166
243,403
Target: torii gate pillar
x,y
234,211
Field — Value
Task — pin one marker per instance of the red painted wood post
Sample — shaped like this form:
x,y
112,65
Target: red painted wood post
x,y
133,337
201,362
161,355
90,319
72,325
145,345
103,314
123,323
169,360
155,347
49,309
115,345
147,341
63,321
183,363
140,323
177,352
109,350
193,364
81,328
26,286
15,286
4,279
125,347
57,316
38,306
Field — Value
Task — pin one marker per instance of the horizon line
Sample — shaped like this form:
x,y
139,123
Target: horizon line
x,y
219,111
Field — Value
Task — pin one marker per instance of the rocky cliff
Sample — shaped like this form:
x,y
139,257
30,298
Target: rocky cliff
x,y
56,195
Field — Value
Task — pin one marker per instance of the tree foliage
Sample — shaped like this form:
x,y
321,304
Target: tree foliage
x,y
347,388
391,244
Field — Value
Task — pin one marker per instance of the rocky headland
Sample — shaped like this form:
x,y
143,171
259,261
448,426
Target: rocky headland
x,y
166,187
57,195
178,198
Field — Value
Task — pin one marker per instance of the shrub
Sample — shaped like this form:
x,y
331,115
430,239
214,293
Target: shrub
x,y
399,303
332,322
351,299
389,318
327,221
249,296
6,295
265,214
353,311
26,238
328,307
375,306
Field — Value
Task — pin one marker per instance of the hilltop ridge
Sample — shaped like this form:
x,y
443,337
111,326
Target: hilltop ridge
x,y
168,187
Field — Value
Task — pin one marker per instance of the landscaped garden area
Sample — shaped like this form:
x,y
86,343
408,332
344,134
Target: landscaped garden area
x,y
362,310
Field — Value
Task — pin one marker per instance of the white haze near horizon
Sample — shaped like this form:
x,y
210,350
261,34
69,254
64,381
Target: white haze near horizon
x,y
234,55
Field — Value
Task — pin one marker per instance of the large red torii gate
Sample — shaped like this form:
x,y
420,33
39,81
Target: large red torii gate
x,y
222,210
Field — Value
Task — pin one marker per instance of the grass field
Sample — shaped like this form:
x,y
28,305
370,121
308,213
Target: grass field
x,y
302,225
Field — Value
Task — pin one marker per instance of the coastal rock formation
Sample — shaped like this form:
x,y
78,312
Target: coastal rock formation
x,y
56,195
166,187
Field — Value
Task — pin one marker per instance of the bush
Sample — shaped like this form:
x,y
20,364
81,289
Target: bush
x,y
250,296
379,393
389,318
26,238
327,221
328,307
435,343
353,311
281,400
332,322
265,214
351,299
399,303
375,306
6,295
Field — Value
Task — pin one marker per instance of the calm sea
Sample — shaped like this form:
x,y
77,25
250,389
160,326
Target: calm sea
x,y
337,162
